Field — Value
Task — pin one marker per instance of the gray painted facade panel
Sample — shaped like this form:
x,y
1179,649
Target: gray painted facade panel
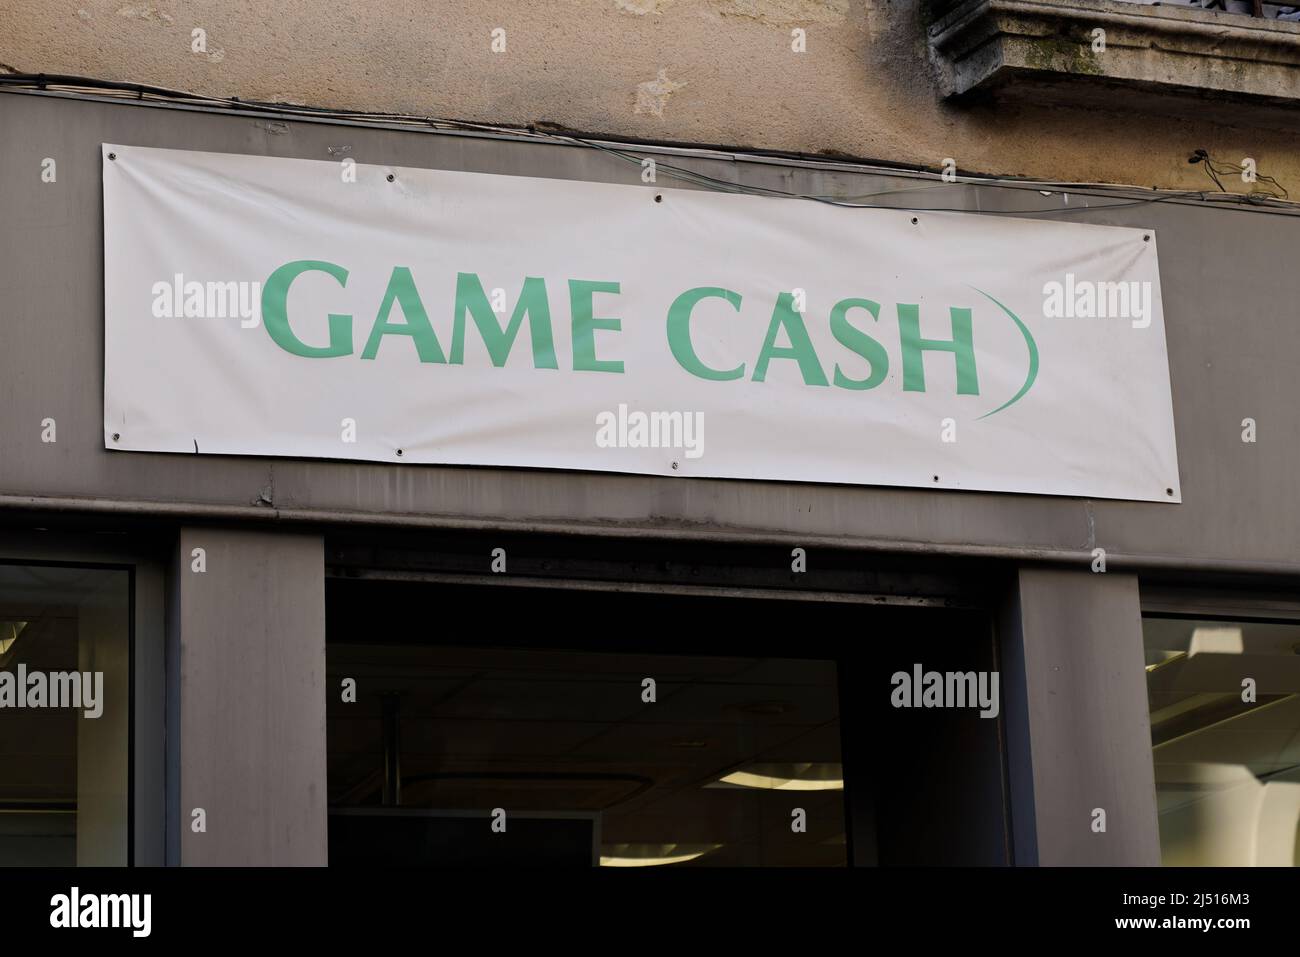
x,y
1078,731
1228,285
252,698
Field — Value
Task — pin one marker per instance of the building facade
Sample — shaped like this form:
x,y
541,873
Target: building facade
x,y
304,654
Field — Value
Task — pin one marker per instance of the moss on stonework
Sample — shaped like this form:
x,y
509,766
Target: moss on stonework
x,y
1063,54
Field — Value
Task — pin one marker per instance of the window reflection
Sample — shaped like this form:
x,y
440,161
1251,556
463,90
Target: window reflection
x,y
64,715
1225,732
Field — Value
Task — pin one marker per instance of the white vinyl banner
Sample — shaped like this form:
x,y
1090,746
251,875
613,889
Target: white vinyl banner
x,y
283,307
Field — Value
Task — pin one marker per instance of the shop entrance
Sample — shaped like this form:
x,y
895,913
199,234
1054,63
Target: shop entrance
x,y
544,725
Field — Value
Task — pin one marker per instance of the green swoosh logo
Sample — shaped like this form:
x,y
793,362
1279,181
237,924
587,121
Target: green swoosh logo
x,y
1033,355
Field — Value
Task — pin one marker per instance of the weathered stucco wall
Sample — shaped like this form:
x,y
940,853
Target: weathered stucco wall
x,y
719,72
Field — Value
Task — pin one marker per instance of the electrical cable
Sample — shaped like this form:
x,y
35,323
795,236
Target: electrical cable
x,y
146,92
1215,170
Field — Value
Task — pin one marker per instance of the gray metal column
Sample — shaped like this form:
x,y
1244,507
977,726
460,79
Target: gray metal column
x,y
252,697
1078,728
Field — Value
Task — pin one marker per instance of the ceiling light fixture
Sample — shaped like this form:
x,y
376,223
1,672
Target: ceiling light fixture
x,y
803,776
9,632
652,855
1215,641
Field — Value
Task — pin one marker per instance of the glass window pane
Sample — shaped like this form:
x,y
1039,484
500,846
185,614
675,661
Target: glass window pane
x,y
585,769
64,715
1225,729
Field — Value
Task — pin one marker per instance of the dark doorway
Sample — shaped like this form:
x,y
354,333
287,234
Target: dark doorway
x,y
500,725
